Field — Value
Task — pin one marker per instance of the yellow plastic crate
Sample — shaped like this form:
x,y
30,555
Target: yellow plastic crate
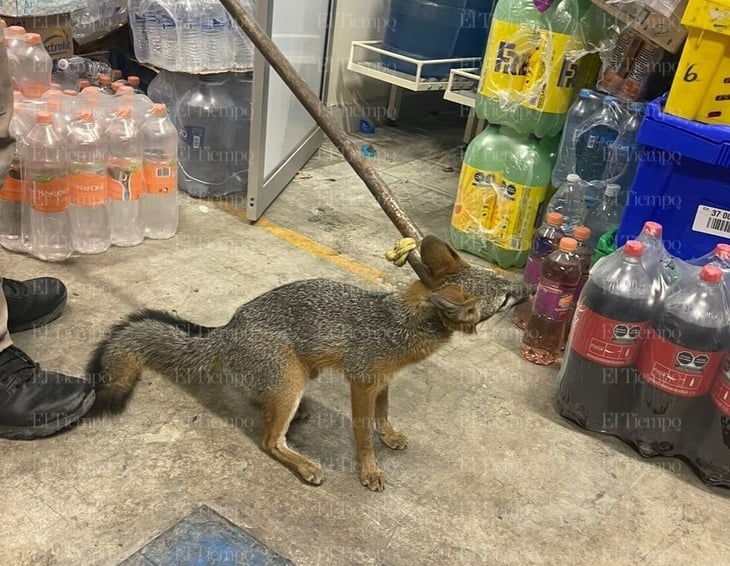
x,y
701,88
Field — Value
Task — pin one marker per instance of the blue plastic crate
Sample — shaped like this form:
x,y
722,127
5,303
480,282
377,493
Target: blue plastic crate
x,y
437,29
682,182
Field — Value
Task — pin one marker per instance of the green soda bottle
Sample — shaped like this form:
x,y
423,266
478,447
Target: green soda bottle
x,y
531,67
476,199
503,183
525,179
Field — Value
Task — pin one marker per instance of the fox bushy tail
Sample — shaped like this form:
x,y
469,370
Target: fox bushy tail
x,y
147,338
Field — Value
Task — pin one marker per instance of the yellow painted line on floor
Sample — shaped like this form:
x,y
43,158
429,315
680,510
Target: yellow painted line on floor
x,y
312,247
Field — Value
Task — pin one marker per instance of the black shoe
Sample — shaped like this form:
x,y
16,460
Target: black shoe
x,y
36,403
33,303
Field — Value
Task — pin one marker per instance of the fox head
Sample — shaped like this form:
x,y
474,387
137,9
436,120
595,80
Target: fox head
x,y
464,294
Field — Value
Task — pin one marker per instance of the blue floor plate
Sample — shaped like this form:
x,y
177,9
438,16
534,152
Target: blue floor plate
x,y
204,538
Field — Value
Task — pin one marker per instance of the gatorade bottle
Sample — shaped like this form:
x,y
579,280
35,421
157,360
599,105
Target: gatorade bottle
x,y
559,276
544,242
530,69
677,365
598,381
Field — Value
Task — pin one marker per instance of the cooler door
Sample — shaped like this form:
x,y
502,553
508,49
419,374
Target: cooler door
x,y
283,135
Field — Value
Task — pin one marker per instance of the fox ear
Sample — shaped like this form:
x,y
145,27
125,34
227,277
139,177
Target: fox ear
x,y
458,309
440,258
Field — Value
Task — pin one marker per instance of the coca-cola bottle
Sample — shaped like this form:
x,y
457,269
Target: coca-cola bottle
x,y
544,242
657,261
711,455
682,355
598,380
559,277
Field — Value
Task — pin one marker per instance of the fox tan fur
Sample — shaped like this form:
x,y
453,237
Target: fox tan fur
x,y
278,341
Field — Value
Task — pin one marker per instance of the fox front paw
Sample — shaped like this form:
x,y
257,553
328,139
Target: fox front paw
x,y
311,473
394,439
399,253
373,479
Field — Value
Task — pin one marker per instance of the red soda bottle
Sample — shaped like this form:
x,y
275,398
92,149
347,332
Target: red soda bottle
x,y
559,277
544,242
681,357
712,456
598,380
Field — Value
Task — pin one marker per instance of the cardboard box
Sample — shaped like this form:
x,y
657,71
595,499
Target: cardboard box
x,y
656,20
55,32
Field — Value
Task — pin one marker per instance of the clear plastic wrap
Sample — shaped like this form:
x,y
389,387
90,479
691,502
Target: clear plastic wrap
x,y
97,19
535,61
648,358
503,184
21,8
189,36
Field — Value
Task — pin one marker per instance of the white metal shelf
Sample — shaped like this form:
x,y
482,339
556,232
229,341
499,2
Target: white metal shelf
x,y
366,59
457,92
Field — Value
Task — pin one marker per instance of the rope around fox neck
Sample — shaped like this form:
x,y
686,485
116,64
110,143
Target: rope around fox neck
x,y
316,108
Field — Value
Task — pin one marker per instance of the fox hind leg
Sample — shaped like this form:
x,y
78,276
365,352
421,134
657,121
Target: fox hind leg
x,y
279,408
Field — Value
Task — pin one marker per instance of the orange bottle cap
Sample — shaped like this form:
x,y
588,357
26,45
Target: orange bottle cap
x,y
568,244
15,30
582,233
124,112
104,80
85,115
159,109
554,219
44,118
133,80
33,38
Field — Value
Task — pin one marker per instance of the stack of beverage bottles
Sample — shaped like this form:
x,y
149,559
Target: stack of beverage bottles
x,y
92,168
648,356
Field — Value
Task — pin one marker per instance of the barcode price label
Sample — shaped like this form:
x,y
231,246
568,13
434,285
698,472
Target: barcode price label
x,y
711,220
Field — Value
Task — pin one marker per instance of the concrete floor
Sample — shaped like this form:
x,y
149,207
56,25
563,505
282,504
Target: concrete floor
x,y
492,475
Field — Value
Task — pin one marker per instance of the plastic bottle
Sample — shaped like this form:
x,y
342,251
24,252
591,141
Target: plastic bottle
x,y
168,88
188,15
138,21
14,43
606,216
544,242
625,158
215,26
596,137
90,227
75,68
569,200
586,105
125,179
34,73
528,77
683,354
559,277
134,82
711,454
169,47
657,261
46,172
208,119
11,190
598,381
585,253
159,203
240,86
105,85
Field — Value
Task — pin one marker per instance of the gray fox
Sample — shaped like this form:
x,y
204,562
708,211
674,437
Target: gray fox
x,y
278,341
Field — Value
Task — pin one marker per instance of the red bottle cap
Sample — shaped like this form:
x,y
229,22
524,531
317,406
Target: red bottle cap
x,y
723,251
654,229
568,245
582,233
554,219
711,274
634,248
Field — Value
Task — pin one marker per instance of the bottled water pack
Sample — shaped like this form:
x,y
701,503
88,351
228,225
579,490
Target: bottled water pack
x,y
189,36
